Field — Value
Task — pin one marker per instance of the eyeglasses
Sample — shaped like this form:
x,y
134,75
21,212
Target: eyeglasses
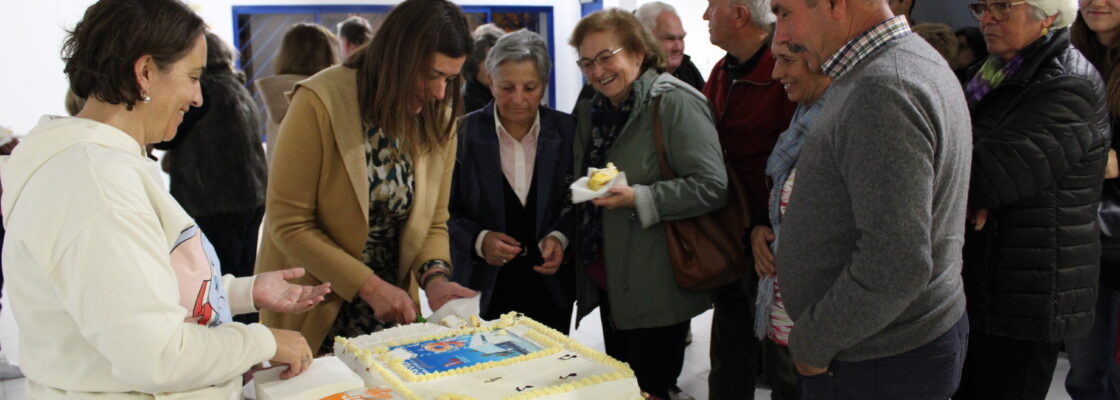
x,y
999,11
601,59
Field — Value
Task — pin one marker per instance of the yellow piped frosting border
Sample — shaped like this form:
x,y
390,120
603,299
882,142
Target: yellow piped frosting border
x,y
549,339
623,370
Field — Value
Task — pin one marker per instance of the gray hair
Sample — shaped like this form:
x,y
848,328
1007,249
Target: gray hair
x,y
484,38
760,12
521,45
647,14
1065,10
488,33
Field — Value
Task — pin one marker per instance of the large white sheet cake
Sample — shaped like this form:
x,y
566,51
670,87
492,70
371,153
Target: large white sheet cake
x,y
512,358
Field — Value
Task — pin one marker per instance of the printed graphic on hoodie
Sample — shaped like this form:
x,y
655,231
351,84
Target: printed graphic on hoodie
x,y
200,279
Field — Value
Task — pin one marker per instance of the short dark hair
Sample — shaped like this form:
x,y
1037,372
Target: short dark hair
x,y
356,30
102,50
219,55
306,49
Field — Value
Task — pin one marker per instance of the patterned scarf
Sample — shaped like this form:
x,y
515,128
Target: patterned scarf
x,y
995,71
606,125
784,157
779,166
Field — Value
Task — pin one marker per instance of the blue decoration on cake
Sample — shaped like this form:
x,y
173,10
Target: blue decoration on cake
x,y
455,352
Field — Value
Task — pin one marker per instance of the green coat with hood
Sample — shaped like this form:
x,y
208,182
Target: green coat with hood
x,y
641,288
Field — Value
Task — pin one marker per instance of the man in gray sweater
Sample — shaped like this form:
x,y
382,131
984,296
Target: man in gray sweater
x,y
870,254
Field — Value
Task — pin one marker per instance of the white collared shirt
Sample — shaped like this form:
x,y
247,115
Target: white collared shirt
x,y
518,159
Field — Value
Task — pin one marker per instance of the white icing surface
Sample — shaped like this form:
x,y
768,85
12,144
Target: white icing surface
x,y
571,364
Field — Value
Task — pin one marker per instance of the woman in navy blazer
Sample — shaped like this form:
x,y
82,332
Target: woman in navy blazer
x,y
508,227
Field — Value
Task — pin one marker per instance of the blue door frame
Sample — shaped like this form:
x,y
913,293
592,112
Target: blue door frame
x,y
317,10
589,7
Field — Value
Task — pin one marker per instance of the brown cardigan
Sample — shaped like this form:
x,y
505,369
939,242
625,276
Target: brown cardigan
x,y
317,205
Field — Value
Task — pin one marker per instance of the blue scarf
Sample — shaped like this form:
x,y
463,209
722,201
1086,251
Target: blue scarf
x,y
779,167
784,158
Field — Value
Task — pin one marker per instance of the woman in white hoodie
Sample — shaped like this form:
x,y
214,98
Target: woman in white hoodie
x,y
116,292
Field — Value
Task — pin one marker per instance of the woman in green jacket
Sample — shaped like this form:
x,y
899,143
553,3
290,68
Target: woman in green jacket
x,y
625,261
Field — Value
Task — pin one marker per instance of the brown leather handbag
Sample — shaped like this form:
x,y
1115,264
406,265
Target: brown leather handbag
x,y
706,251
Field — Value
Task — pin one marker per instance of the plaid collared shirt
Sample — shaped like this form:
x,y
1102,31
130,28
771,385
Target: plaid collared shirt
x,y
862,46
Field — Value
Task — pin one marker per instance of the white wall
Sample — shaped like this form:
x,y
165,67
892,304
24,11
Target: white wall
x,y
33,30
31,74
696,43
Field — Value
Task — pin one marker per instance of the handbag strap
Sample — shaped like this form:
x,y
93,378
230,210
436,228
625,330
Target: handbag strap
x,y
659,140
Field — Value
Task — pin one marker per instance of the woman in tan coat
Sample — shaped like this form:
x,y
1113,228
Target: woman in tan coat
x,y
359,194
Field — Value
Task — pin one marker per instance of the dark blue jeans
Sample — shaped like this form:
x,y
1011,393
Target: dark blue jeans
x,y
1093,373
929,372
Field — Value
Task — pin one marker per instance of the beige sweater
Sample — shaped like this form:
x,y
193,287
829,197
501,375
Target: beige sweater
x,y
114,290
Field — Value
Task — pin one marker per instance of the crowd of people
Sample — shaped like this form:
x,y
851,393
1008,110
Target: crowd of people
x,y
933,213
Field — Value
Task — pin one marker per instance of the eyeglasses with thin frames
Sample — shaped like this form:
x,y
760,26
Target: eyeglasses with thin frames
x,y
999,11
601,59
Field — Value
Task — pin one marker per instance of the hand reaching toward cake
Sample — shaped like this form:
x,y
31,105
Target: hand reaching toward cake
x,y
271,291
389,303
292,350
553,254
440,291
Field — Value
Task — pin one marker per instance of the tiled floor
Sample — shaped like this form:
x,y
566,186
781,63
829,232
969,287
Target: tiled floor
x,y
693,380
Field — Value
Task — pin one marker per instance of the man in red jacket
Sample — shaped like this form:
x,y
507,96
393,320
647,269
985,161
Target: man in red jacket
x,y
751,111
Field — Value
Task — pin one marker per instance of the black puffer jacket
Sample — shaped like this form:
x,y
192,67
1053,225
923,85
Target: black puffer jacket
x,y
1110,222
216,160
1040,148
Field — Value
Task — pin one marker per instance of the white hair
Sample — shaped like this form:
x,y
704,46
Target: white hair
x,y
1065,10
760,12
647,14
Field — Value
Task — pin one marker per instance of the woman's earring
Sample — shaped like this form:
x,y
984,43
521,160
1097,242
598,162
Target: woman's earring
x,y
1045,30
145,98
